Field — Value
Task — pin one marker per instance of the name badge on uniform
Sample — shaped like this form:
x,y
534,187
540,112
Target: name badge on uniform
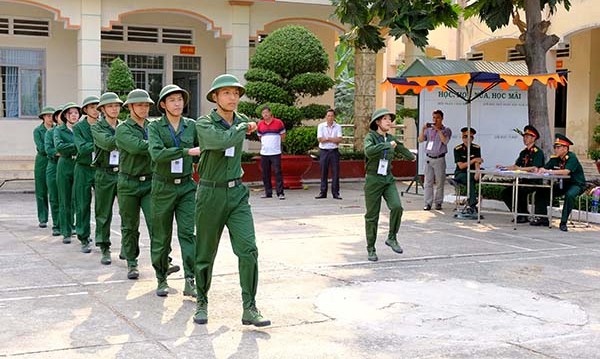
x,y
177,166
113,159
429,145
93,156
382,168
230,152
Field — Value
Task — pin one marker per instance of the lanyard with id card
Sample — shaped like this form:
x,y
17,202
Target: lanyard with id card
x,y
230,152
113,158
383,165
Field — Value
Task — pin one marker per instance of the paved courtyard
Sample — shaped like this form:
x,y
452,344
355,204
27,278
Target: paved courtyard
x,y
460,290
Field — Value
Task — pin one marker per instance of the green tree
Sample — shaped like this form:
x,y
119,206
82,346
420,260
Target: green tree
x,y
120,81
370,22
344,82
535,43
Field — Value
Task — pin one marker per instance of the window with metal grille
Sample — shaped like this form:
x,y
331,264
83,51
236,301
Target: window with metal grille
x,y
514,55
22,74
24,27
475,56
116,33
142,34
186,63
176,36
4,26
149,34
563,51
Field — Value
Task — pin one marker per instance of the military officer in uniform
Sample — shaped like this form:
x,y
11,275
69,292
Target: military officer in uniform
x,y
173,147
51,171
107,170
41,163
475,161
563,162
83,181
530,159
222,199
65,146
380,148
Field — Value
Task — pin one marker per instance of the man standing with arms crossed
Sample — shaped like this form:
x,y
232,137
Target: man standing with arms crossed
x,y
222,199
107,169
41,163
436,137
329,134
271,131
84,173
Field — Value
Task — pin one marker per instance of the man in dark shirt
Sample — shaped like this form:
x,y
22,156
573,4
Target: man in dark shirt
x,y
475,161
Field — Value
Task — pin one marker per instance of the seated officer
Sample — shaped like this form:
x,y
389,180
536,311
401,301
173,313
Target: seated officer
x,y
563,162
475,161
530,159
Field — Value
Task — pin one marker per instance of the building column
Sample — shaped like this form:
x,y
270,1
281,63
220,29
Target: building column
x,y
411,53
237,47
89,73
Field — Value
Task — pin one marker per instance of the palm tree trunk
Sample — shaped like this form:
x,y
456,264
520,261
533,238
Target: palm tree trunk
x,y
364,94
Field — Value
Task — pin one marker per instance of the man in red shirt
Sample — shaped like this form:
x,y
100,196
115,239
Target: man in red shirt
x,y
271,131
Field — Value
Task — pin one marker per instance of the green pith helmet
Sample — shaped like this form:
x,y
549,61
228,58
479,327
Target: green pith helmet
x,y
170,89
138,96
89,101
48,110
57,112
225,80
380,112
67,106
109,97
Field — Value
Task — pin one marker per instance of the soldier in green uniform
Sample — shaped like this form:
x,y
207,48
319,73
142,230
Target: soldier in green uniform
x,y
564,162
41,163
83,181
530,159
107,169
173,146
65,146
460,158
380,148
53,157
222,199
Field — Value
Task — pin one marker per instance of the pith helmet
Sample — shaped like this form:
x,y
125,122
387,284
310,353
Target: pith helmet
x,y
90,100
48,110
57,112
225,80
171,89
68,106
380,112
138,96
109,97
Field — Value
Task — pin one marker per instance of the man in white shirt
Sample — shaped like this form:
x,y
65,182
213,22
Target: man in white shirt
x,y
329,134
271,131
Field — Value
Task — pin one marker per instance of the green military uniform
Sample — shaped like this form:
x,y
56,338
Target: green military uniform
x,y
65,146
133,188
378,150
460,175
39,171
173,193
51,175
528,157
84,175
106,177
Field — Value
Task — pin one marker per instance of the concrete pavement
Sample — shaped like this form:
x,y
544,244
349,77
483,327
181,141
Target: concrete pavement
x,y
460,290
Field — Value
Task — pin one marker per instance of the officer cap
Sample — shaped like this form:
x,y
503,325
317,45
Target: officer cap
x,y
48,110
379,113
109,97
466,129
225,80
171,89
68,106
138,96
90,100
562,140
530,130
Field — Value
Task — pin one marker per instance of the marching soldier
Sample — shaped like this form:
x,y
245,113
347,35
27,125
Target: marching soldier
x,y
41,163
51,171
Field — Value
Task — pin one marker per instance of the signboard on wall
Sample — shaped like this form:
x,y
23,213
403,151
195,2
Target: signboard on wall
x,y
494,115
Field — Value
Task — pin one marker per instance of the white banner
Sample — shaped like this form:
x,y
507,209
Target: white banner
x,y
494,115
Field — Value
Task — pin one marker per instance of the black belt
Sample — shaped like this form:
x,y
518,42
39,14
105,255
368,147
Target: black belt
x,y
228,184
140,178
439,156
171,180
53,160
112,170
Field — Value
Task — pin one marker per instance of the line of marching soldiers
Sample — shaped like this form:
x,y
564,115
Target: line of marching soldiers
x,y
147,165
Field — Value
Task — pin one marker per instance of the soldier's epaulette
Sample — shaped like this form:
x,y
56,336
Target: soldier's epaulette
x,y
553,156
475,146
535,149
566,157
458,147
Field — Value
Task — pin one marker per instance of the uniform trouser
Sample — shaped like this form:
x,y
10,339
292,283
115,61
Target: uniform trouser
x,y
105,194
377,187
53,194
215,209
64,183
133,195
330,158
507,197
41,188
82,188
266,163
570,192
170,199
435,171
461,178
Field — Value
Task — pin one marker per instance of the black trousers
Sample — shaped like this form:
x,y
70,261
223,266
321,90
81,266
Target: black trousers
x,y
267,163
330,158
